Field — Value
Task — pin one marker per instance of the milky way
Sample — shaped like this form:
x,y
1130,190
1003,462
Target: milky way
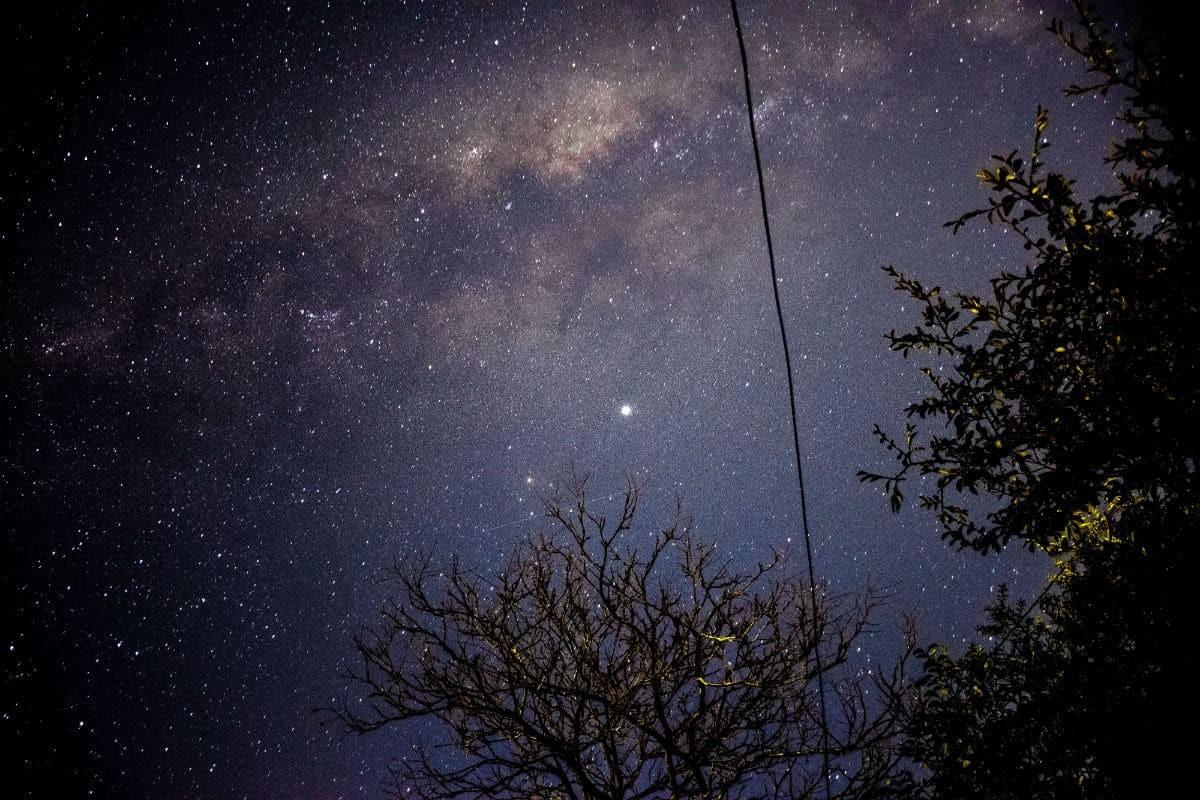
x,y
292,292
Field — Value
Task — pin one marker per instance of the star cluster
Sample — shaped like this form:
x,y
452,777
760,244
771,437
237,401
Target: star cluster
x,y
295,290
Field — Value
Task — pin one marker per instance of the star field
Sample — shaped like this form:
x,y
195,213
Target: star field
x,y
296,290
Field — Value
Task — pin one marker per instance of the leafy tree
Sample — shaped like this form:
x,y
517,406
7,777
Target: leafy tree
x,y
1085,696
1071,406
589,668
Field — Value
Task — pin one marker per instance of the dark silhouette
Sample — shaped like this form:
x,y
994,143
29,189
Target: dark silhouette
x,y
592,667
1070,401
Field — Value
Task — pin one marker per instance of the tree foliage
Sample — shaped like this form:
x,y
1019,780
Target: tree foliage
x,y
1085,695
1074,378
1069,402
592,668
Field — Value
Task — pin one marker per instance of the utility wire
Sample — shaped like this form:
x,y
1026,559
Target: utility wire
x,y
787,359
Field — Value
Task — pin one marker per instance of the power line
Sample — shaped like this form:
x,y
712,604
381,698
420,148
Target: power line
x,y
787,358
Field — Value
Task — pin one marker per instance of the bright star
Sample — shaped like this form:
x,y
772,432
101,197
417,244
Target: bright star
x,y
626,410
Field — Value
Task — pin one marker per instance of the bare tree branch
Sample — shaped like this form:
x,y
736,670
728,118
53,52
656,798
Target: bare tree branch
x,y
591,669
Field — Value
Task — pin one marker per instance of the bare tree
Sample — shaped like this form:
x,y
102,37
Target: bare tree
x,y
591,669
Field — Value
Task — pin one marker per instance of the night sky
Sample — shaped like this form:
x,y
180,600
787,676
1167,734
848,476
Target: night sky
x,y
294,291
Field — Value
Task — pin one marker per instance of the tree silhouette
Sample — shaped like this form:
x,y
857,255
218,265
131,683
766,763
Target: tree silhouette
x,y
1070,402
591,668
